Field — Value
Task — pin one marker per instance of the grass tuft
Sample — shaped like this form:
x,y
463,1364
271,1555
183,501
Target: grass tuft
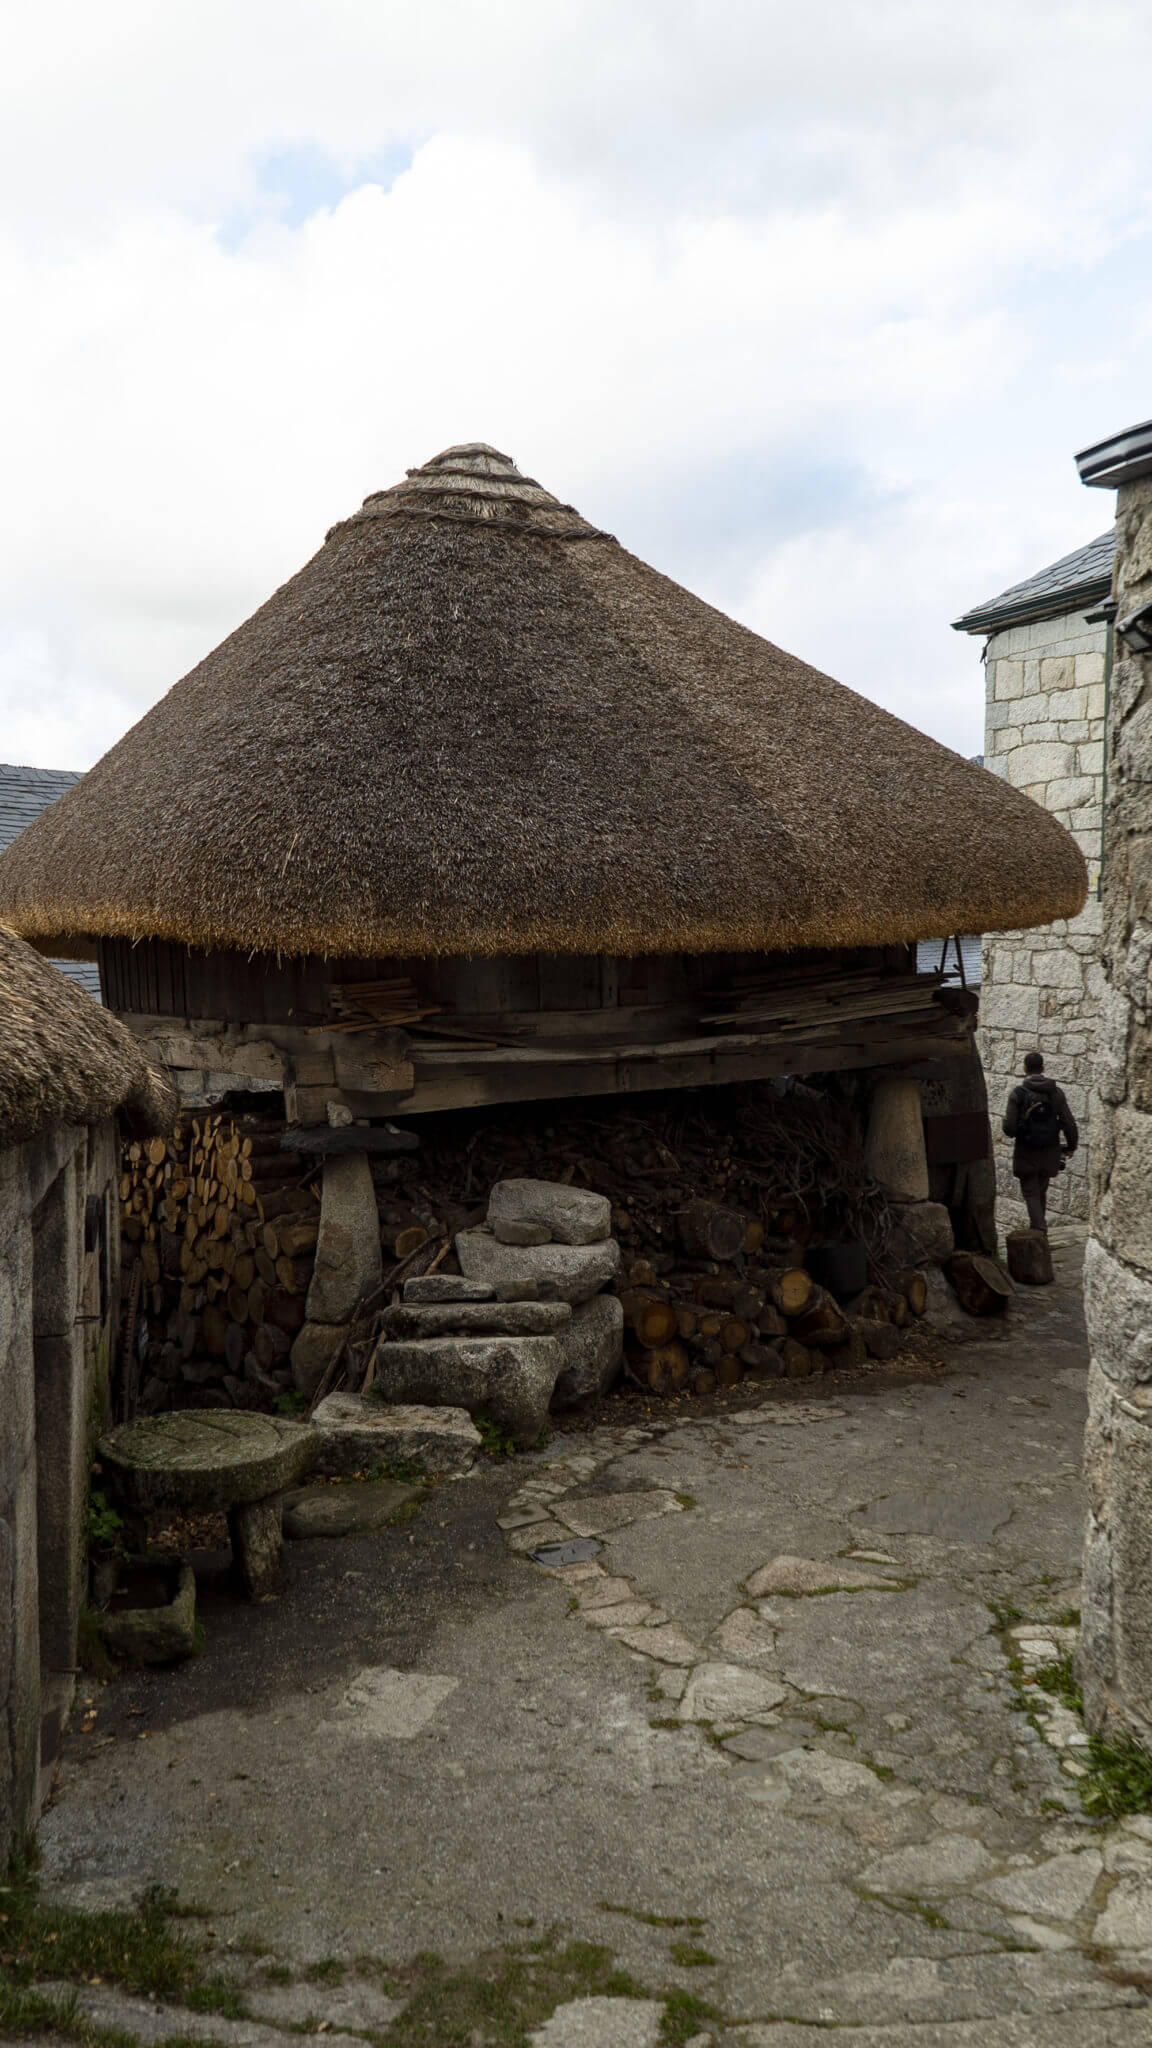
x,y
504,1994
332,1970
1119,1779
496,1441
685,2015
652,1919
688,1957
138,1951
1059,1680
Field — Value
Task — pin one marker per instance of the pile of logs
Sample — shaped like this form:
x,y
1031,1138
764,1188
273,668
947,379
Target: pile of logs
x,y
719,1197
219,1231
700,1327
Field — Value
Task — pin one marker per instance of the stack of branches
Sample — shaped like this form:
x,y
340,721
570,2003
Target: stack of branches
x,y
718,1196
791,1161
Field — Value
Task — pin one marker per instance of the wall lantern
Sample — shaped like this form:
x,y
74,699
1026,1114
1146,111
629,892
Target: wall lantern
x,y
1136,630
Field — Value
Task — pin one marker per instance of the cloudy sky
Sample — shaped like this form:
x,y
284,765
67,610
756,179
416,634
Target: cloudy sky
x,y
809,305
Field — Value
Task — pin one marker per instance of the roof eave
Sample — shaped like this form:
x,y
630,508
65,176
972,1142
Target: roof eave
x,y
1074,600
1121,459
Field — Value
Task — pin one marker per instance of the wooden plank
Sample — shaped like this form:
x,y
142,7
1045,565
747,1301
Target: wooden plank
x,y
462,1089
533,1025
541,1054
322,1141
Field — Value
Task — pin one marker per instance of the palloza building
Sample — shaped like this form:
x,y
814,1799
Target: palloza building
x,y
478,806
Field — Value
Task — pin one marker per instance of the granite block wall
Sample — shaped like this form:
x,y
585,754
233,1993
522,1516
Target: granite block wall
x,y
1044,732
1115,1654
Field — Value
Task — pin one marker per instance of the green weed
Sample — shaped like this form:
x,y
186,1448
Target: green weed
x,y
141,1950
398,1472
1119,1779
329,1971
105,1526
495,1439
504,1994
1059,1680
689,1957
685,2015
652,1919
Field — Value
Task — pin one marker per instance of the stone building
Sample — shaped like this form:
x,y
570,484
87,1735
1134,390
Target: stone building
x,y
1046,659
1115,1660
68,1071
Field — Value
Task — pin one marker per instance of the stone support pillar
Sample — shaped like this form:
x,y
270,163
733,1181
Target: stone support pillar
x,y
348,1265
895,1144
1115,1656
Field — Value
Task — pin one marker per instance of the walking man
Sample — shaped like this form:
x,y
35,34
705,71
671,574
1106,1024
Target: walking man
x,y
1037,1117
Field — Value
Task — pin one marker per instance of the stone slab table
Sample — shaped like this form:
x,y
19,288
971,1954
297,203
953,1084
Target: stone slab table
x,y
212,1461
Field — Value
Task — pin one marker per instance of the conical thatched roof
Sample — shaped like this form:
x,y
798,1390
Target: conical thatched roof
x,y
62,1058
473,723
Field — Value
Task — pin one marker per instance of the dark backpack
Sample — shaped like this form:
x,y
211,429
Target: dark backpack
x,y
1039,1125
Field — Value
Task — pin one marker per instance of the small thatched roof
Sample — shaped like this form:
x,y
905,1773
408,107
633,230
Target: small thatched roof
x,y
473,723
62,1058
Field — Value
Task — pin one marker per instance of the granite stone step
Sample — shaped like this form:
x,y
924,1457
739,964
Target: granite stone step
x,y
507,1379
549,1272
446,1287
476,1319
357,1432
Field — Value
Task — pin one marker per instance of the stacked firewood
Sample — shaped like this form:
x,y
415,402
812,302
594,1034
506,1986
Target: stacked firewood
x,y
720,1199
219,1228
764,1317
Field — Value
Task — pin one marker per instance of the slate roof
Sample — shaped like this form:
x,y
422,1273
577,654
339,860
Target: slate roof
x,y
1082,578
24,793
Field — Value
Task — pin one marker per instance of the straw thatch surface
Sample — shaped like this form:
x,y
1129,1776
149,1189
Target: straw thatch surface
x,y
474,724
62,1058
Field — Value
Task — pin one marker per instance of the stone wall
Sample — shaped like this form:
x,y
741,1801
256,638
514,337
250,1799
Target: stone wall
x,y
59,1297
1044,732
1116,1638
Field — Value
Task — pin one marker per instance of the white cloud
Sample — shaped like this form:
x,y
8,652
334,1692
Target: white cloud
x,y
660,252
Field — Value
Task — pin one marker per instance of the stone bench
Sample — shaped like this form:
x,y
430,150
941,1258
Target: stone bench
x,y
212,1461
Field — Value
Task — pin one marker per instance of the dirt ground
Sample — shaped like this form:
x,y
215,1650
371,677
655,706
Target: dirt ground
x,y
768,1748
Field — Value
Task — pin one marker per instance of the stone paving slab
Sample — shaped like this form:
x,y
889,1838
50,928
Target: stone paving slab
x,y
1078,2030
148,2020
599,1514
357,2006
389,1704
602,2023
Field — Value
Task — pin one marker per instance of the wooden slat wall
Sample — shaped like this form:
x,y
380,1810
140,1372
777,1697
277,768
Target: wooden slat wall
x,y
161,980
